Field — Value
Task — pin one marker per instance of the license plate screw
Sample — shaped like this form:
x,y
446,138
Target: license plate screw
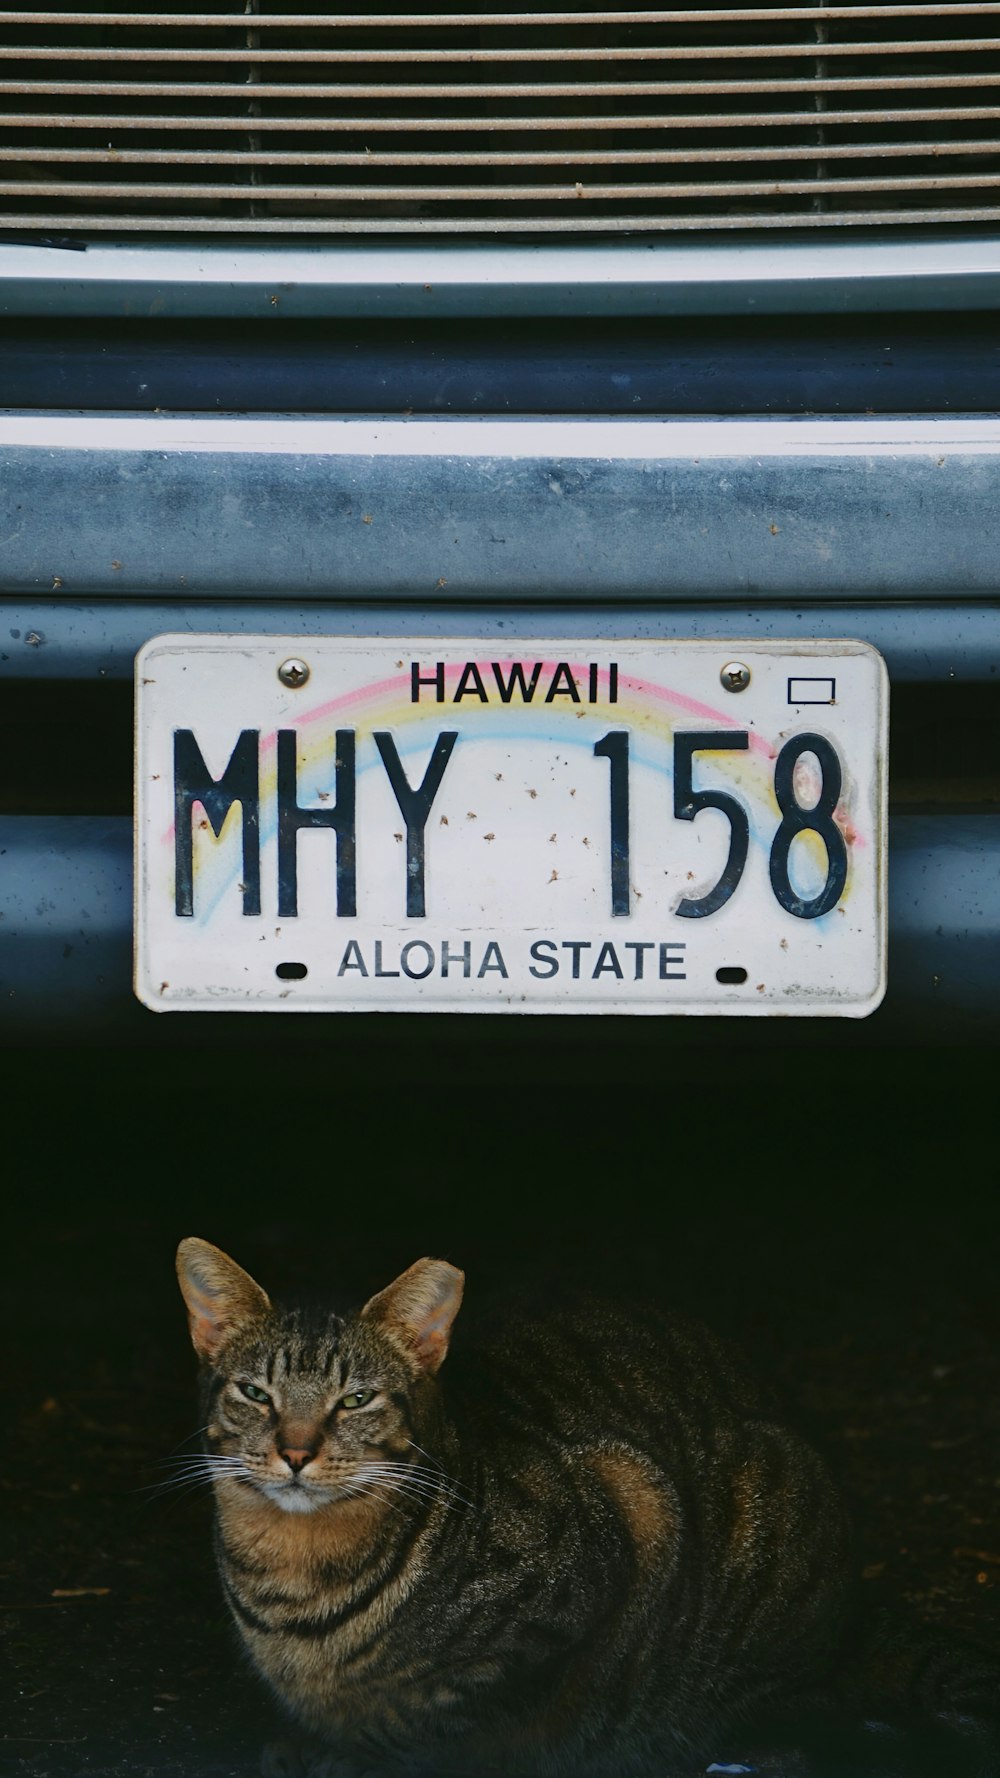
x,y
735,676
294,673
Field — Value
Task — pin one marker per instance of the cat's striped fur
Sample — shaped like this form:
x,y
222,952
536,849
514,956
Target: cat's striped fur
x,y
585,1550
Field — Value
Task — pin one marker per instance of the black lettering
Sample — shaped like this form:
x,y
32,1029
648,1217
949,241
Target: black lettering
x,y
470,684
352,959
640,947
341,818
607,963
492,959
448,958
506,687
416,944
613,683
688,803
193,783
378,961
560,690
614,748
819,819
666,958
593,682
551,962
417,679
576,945
415,806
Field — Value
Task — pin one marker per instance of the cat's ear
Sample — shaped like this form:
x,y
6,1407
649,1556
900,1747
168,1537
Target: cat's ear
x,y
218,1293
419,1308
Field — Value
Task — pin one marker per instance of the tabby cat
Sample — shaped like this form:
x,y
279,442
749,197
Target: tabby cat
x,y
587,1550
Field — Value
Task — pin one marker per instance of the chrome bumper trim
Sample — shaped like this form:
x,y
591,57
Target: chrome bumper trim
x,y
57,638
496,508
645,275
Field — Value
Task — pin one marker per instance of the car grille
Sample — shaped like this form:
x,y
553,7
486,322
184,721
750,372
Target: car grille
x,y
283,118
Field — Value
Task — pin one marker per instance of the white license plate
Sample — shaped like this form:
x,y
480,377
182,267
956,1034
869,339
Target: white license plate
x,y
558,826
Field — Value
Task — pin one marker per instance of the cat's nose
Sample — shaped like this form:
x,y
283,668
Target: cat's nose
x,y
296,1457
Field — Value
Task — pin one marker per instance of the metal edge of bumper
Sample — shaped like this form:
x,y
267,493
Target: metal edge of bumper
x,y
61,639
484,508
643,275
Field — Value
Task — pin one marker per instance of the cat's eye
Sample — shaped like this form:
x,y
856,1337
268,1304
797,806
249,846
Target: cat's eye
x,y
358,1398
253,1393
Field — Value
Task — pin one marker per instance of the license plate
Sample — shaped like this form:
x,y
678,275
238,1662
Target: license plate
x,y
348,824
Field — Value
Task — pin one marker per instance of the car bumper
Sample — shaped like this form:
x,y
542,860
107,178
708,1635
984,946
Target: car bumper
x,y
119,527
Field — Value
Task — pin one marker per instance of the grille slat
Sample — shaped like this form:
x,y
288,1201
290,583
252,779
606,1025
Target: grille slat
x,y
649,52
552,191
518,20
631,223
375,90
468,158
288,122
355,124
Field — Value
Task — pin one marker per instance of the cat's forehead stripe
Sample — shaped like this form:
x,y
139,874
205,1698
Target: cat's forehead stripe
x,y
306,1346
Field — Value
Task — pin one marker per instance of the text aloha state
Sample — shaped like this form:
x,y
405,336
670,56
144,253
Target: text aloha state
x,y
579,959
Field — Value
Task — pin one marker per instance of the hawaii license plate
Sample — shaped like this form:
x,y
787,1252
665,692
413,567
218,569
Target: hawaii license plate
x,y
348,824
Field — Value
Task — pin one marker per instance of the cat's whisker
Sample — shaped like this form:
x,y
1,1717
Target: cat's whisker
x,y
373,1474
395,1487
198,1474
201,1458
193,1472
399,1485
442,1472
436,1480
450,1502
199,1431
437,1467
399,1480
431,1460
356,1493
185,1485
194,1460
407,1471
416,1490
204,1462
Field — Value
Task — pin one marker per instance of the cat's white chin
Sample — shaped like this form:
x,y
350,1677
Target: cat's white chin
x,y
295,1500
